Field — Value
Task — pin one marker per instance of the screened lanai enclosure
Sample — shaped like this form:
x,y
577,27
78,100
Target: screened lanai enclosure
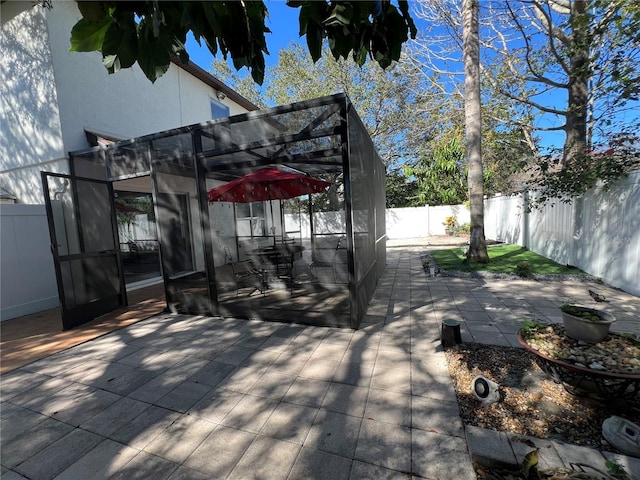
x,y
275,214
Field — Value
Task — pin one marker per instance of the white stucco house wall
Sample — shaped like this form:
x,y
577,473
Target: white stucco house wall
x,y
53,102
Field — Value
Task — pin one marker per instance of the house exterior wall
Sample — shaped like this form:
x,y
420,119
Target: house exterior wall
x,y
29,113
49,96
125,104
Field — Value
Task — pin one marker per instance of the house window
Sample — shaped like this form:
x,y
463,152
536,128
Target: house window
x,y
251,220
218,110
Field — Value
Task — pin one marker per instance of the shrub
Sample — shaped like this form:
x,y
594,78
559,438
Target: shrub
x,y
464,229
531,327
524,270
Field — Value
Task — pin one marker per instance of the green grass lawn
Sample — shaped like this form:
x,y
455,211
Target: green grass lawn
x,y
504,259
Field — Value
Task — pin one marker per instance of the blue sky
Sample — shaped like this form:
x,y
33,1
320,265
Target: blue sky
x,y
282,21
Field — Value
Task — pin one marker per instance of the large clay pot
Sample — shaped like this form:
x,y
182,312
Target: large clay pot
x,y
588,329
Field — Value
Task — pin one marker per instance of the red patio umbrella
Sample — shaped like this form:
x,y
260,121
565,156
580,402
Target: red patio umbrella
x,y
266,184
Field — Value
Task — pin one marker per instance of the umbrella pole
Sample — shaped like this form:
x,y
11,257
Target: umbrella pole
x,y
273,223
282,225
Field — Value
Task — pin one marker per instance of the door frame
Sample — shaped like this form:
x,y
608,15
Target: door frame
x,y
76,315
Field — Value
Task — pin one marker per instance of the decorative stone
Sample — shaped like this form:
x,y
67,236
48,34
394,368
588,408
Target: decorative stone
x,y
622,434
603,372
617,353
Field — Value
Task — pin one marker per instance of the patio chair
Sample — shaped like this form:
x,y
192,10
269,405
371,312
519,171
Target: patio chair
x,y
337,262
245,274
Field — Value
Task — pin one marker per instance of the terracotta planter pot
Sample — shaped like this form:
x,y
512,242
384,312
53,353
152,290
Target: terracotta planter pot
x,y
588,330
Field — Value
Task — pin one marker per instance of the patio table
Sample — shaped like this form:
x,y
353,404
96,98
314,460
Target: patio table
x,y
279,259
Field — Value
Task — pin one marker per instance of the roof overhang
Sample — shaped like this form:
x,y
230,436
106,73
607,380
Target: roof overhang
x,y
97,138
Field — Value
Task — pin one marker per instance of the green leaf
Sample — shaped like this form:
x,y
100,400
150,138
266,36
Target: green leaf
x,y
239,62
530,460
257,69
341,44
183,55
615,469
153,57
203,18
404,9
120,45
111,63
92,11
311,13
88,36
396,34
360,56
340,16
212,18
314,40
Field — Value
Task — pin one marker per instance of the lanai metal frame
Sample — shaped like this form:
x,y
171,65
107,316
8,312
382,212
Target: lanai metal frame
x,y
323,137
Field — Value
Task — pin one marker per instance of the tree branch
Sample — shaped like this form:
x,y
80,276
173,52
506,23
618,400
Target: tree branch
x,y
537,105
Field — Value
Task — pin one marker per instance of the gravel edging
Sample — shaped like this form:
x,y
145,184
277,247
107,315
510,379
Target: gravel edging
x,y
583,277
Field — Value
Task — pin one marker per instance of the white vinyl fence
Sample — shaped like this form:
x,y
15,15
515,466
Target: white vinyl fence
x,y
426,221
599,233
414,222
27,276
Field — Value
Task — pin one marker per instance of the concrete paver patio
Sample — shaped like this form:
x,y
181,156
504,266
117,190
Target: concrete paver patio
x,y
187,397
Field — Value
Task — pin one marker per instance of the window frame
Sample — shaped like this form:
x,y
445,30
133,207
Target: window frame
x,y
218,109
254,219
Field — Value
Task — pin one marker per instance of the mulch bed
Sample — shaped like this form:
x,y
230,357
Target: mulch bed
x,y
530,403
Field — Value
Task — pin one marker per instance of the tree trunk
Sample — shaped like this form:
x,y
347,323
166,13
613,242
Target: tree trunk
x,y
576,124
473,129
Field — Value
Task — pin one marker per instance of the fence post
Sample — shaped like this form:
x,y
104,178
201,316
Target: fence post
x,y
576,234
426,207
525,218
